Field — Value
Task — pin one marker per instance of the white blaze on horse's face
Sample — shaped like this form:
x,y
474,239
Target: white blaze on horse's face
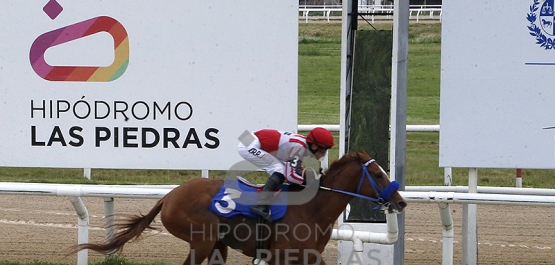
x,y
383,171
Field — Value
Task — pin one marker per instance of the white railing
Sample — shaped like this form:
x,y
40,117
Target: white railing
x,y
370,12
431,194
433,12
335,128
75,191
324,10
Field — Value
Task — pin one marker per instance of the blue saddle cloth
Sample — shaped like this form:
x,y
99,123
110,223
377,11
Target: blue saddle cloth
x,y
236,196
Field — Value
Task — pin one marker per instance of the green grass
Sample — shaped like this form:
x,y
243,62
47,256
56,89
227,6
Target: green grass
x,y
319,72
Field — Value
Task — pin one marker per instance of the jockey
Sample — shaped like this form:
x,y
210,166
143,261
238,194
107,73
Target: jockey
x,y
280,154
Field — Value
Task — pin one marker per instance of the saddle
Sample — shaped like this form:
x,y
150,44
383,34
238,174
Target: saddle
x,y
236,196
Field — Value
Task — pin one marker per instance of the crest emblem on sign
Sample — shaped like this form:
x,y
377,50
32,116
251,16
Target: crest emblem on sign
x,y
541,18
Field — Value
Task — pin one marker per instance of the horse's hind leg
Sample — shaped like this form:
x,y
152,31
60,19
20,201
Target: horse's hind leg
x,y
218,255
200,250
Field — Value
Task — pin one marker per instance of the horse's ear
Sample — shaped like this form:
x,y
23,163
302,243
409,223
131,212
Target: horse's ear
x,y
363,155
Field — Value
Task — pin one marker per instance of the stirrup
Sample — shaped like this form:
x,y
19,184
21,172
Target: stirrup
x,y
259,209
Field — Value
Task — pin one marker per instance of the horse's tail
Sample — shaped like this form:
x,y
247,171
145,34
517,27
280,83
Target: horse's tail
x,y
131,229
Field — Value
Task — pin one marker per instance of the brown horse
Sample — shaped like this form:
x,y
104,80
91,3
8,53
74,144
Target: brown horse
x,y
298,238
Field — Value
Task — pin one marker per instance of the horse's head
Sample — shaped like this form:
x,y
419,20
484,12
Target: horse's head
x,y
377,183
369,180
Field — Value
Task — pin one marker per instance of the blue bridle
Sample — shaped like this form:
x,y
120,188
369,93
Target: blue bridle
x,y
383,194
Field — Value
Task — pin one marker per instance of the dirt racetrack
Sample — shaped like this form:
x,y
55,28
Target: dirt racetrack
x,y
43,228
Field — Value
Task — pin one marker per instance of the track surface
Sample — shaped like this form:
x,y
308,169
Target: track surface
x,y
43,228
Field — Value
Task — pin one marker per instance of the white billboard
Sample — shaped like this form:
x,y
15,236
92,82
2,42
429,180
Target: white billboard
x,y
143,84
497,95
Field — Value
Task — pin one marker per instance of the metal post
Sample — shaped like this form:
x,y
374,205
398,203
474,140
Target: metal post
x,y
448,233
399,74
109,219
87,173
348,31
447,176
470,226
83,228
519,177
447,222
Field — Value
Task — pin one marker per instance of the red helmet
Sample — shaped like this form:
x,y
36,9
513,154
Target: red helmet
x,y
321,137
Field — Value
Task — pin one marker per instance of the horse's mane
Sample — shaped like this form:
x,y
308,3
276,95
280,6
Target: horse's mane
x,y
338,165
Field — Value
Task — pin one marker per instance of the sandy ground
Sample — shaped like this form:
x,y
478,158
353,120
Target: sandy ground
x,y
43,228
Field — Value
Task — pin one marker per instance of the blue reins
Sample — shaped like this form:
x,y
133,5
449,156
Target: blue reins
x,y
383,194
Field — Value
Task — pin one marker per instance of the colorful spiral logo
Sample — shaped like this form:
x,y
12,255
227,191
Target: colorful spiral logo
x,y
77,31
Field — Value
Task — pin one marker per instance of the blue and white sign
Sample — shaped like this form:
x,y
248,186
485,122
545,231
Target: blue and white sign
x,y
541,18
497,93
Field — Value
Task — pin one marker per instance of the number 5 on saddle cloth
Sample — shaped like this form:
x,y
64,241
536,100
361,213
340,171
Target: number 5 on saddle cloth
x,y
236,196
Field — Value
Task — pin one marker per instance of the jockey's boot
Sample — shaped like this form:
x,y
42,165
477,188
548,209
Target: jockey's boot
x,y
262,206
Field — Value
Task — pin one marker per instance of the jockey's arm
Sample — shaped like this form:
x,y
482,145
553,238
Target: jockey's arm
x,y
294,166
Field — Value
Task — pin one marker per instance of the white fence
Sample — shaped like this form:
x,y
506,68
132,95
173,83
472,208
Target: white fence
x,y
430,194
372,12
75,191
